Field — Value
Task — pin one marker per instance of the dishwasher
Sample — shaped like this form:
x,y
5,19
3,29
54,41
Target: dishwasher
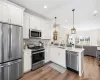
x,y
72,60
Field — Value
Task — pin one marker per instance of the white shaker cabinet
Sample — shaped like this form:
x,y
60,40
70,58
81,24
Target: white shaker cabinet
x,y
46,30
11,13
57,55
0,12
35,23
5,13
26,25
27,60
62,57
53,54
16,15
47,53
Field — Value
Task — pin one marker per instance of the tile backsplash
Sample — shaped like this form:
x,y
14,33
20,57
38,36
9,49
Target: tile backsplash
x,y
36,41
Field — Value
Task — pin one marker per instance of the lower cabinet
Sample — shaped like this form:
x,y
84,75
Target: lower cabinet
x,y
27,60
57,55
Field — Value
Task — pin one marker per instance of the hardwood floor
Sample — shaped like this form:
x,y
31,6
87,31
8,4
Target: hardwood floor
x,y
91,70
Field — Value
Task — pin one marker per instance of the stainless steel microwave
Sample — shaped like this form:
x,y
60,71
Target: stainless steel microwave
x,y
34,33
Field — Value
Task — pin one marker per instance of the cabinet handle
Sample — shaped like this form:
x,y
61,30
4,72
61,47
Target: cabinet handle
x,y
58,53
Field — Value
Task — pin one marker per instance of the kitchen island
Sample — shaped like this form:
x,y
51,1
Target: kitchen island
x,y
68,57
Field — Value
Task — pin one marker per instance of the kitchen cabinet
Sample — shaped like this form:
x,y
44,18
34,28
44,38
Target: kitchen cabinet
x,y
53,54
27,60
26,25
72,60
47,53
46,30
0,12
5,13
62,57
16,15
35,23
57,55
10,13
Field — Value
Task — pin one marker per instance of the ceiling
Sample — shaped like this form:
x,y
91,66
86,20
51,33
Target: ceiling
x,y
62,9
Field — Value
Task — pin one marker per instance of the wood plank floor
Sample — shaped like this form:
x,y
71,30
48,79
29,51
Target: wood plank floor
x,y
91,70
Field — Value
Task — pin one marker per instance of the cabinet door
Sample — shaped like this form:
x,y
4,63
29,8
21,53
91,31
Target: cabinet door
x,y
5,13
1,12
35,23
61,58
47,54
53,54
46,30
27,61
26,26
16,15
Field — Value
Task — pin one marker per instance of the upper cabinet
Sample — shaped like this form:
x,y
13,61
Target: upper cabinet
x,y
32,22
10,13
26,25
0,11
35,23
5,13
16,15
46,30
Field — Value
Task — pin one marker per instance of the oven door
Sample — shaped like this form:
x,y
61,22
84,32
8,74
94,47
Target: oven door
x,y
34,33
37,56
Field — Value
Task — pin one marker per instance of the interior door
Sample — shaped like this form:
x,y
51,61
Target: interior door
x,y
16,42
6,42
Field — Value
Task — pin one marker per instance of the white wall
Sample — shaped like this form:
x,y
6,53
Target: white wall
x,y
94,35
62,34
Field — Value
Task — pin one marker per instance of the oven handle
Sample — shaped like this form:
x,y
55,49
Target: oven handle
x,y
37,52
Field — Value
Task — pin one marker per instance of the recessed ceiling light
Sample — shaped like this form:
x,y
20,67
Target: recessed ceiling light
x,y
95,11
66,21
45,6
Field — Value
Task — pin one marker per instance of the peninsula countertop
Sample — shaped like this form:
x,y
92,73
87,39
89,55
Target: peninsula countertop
x,y
69,48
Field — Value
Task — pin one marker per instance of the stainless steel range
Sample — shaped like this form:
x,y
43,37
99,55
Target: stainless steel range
x,y
38,53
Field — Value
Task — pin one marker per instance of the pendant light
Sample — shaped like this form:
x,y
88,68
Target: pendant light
x,y
55,33
73,30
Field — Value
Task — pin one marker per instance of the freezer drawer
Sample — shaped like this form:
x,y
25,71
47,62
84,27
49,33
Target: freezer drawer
x,y
11,70
1,72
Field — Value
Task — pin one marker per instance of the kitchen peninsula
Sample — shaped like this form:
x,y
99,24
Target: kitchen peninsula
x,y
68,57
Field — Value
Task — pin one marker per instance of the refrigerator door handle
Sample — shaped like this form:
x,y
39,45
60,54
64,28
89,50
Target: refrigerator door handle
x,y
2,66
10,53
14,62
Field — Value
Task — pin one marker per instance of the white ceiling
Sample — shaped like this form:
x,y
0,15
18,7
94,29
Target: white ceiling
x,y
62,9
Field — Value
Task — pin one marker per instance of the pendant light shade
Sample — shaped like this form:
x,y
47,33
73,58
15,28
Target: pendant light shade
x,y
73,30
55,33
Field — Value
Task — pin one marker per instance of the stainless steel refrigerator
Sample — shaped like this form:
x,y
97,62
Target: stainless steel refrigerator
x,y
10,52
